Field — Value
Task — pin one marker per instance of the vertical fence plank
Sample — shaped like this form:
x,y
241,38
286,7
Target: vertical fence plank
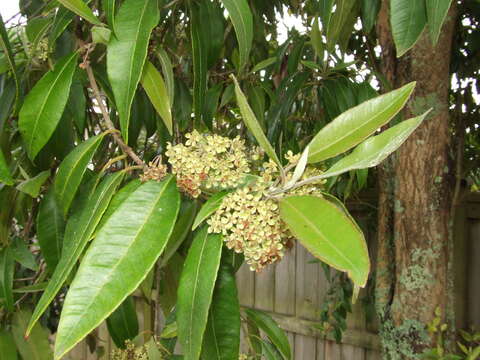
x,y
104,340
332,351
265,289
246,286
350,352
373,355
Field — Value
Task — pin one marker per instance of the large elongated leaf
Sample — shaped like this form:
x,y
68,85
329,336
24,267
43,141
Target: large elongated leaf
x,y
157,92
7,50
6,278
222,336
127,51
252,123
78,232
242,20
5,175
338,20
109,9
408,19
276,335
117,261
375,149
7,346
211,205
44,105
50,229
80,8
36,346
72,169
328,234
195,291
437,11
370,10
167,70
32,186
122,324
356,124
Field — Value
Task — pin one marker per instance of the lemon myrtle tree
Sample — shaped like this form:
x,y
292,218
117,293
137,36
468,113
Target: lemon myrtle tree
x,y
152,147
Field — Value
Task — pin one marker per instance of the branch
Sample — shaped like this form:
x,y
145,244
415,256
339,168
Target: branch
x,y
106,116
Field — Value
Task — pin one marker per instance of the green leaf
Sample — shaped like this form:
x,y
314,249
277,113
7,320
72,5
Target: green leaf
x,y
196,289
118,260
127,51
370,10
169,331
109,9
375,149
81,9
167,70
276,335
264,64
5,175
7,346
330,235
6,278
31,288
356,124
270,352
101,34
211,205
23,255
72,169
316,39
33,185
157,92
242,20
338,20
408,19
79,231
222,336
122,324
44,105
50,229
186,215
36,346
7,50
252,123
325,11
437,11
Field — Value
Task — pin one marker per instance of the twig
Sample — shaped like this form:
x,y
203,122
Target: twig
x,y
108,122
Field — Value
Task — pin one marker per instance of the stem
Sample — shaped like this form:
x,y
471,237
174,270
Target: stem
x,y
106,116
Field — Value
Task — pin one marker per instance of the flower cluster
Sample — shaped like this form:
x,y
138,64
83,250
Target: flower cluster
x,y
209,161
154,171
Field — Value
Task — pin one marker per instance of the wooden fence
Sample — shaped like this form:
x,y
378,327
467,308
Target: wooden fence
x,y
293,290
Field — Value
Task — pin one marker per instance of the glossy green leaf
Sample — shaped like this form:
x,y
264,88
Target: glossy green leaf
x,y
101,35
63,18
370,10
276,335
117,261
252,123
167,70
109,9
186,215
408,19
5,175
316,39
195,291
242,20
33,185
211,205
375,149
79,231
31,288
222,336
50,229
264,64
122,324
44,105
6,47
72,169
36,346
270,352
22,254
330,235
81,9
7,346
325,11
437,11
6,278
338,20
356,124
157,92
127,51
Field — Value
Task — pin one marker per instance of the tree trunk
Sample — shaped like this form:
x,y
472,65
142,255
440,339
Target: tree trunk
x,y
415,244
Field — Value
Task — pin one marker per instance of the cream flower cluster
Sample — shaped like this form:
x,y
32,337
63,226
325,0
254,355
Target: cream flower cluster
x,y
154,171
209,161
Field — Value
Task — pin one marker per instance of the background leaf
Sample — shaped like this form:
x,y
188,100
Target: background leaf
x,y
109,9
354,125
437,11
195,291
7,346
6,278
211,205
330,235
117,261
5,175
36,346
122,324
167,70
44,105
32,186
81,9
408,19
127,51
7,50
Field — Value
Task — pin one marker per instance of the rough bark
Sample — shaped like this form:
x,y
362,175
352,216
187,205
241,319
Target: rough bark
x,y
415,200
